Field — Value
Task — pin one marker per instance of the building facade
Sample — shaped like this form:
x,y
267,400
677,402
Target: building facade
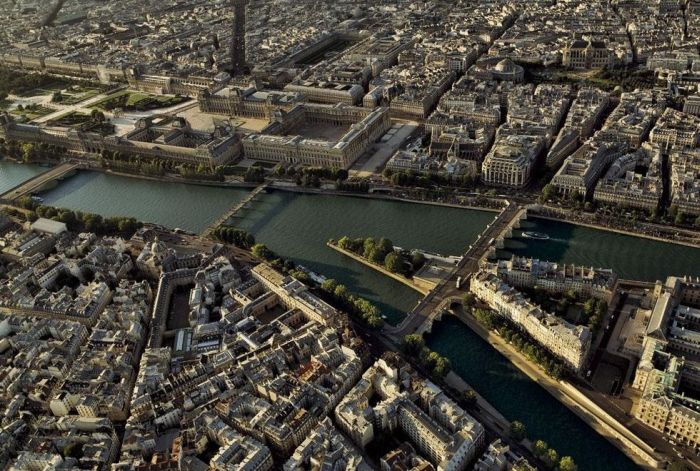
x,y
569,343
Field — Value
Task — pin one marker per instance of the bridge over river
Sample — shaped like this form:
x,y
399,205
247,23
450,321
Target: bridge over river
x,y
234,209
39,182
421,318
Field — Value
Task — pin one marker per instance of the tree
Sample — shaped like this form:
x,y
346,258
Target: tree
x,y
672,211
469,300
385,246
341,174
301,276
567,464
540,447
517,430
73,450
680,218
548,191
486,318
254,174
551,458
28,152
375,256
440,365
413,344
368,247
329,285
344,243
655,213
575,196
470,398
375,322
393,262
262,252
418,260
127,225
342,293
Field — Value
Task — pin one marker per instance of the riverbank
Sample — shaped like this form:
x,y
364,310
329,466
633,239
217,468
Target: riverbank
x,y
280,185
292,188
601,227
172,179
283,186
401,279
568,395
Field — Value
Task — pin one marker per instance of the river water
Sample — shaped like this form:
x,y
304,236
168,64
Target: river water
x,y
297,226
189,207
12,174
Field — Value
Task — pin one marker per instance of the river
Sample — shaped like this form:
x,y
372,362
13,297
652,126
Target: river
x,y
297,226
631,257
12,174
189,207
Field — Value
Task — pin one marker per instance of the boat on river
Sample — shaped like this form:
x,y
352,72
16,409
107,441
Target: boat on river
x,y
535,235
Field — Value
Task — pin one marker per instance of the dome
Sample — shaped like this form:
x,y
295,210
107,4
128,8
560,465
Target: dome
x,y
506,66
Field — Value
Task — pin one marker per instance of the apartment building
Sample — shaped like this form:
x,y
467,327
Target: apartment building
x,y
569,343
523,272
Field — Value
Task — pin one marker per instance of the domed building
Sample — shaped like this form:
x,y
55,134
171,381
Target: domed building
x,y
497,68
508,71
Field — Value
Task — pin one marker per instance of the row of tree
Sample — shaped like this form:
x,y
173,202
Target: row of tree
x,y
254,174
426,179
680,218
672,215
330,290
79,221
31,152
361,186
382,252
324,173
17,83
340,296
237,237
413,345
154,166
534,352
549,456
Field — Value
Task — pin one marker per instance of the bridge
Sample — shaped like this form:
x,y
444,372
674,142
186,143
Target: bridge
x,y
37,183
234,209
430,308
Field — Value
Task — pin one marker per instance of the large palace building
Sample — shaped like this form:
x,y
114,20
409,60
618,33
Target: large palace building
x,y
160,137
318,135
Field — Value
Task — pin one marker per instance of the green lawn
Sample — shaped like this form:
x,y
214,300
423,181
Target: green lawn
x,y
627,79
33,112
